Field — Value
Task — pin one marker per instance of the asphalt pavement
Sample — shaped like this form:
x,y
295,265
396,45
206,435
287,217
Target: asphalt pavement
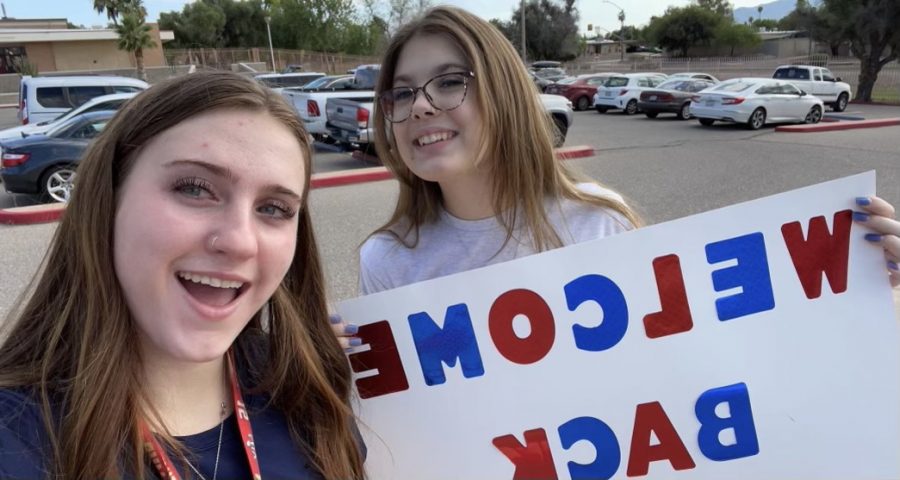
x,y
666,168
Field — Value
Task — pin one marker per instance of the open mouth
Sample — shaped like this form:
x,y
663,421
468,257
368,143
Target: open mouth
x,y
211,291
433,138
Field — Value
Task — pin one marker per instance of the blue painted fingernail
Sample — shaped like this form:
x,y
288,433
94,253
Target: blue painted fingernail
x,y
864,201
893,265
350,329
334,318
860,216
873,237
355,342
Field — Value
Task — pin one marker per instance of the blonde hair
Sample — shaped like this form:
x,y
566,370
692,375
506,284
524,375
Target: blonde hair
x,y
517,138
73,344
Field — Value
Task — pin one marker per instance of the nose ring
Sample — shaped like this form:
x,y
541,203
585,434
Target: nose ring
x,y
212,242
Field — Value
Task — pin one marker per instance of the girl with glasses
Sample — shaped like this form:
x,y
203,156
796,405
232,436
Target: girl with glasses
x,y
179,326
459,123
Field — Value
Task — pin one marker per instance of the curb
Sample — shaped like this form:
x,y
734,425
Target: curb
x,y
9,105
828,127
52,212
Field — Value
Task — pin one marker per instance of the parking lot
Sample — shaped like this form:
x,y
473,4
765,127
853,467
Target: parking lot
x,y
666,168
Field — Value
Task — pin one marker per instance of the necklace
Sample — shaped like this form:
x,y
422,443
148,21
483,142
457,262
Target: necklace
x,y
218,450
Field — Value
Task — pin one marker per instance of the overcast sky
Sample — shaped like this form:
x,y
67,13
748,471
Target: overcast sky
x,y
597,12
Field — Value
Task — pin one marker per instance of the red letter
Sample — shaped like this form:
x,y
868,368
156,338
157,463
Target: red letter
x,y
382,356
534,460
820,252
650,417
675,316
543,331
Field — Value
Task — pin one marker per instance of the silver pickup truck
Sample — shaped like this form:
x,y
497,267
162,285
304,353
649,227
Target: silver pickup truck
x,y
349,119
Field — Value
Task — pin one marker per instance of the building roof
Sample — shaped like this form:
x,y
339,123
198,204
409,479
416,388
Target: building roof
x,y
30,35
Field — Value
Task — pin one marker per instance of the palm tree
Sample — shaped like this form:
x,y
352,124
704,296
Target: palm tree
x,y
114,8
134,37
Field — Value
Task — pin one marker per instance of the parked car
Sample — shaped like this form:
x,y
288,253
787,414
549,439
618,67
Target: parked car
x,y
817,81
45,98
106,102
756,102
696,75
330,82
552,74
45,164
278,81
540,83
672,96
541,64
623,91
579,90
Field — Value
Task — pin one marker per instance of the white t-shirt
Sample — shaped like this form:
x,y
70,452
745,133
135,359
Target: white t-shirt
x,y
452,245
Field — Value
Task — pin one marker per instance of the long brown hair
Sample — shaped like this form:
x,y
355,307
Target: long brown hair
x,y
517,138
73,343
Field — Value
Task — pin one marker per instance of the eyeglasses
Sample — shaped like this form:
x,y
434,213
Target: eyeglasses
x,y
444,92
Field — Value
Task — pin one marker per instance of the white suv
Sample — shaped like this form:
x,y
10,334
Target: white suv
x,y
623,91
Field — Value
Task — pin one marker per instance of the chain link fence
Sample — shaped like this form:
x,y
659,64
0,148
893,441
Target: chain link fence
x,y
260,59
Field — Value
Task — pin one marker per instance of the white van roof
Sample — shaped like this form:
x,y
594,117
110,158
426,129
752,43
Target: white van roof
x,y
60,81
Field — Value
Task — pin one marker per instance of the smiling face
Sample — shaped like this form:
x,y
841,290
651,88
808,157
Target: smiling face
x,y
439,146
206,229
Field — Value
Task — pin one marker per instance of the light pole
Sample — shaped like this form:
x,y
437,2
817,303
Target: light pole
x,y
271,50
621,28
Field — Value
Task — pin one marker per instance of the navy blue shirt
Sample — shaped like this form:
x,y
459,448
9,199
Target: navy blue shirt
x,y
23,443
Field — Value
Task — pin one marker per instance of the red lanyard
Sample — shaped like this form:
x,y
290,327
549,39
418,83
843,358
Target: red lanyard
x,y
163,464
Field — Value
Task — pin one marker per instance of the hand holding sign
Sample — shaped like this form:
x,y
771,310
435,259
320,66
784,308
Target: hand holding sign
x,y
878,216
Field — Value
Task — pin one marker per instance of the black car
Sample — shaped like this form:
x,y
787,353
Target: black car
x,y
45,164
672,96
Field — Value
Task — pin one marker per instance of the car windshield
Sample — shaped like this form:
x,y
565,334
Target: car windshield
x,y
616,82
63,126
549,72
738,86
568,80
318,82
680,85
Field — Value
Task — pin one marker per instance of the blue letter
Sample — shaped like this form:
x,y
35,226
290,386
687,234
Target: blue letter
x,y
607,294
741,421
436,345
605,444
751,274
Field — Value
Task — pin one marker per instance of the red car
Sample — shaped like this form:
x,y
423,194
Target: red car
x,y
579,90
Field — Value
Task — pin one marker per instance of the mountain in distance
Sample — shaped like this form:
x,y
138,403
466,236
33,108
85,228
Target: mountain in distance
x,y
772,10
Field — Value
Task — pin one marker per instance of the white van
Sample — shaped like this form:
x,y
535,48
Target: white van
x,y
44,98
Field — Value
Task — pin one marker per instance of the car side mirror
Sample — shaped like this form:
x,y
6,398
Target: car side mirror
x,y
838,79
802,93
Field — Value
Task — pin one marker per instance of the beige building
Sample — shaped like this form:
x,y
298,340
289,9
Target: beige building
x,y
49,46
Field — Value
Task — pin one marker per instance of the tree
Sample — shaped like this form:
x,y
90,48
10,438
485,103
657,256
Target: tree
x,y
134,37
114,8
871,28
765,24
551,29
721,8
683,27
200,24
736,35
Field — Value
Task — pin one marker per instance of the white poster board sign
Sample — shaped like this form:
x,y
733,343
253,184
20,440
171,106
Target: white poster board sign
x,y
755,342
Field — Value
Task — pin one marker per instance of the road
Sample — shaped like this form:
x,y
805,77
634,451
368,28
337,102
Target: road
x,y
666,168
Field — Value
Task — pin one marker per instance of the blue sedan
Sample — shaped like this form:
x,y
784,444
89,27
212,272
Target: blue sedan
x,y
45,164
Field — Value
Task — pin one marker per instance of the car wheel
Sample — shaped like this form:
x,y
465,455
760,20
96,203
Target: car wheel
x,y
706,121
57,183
841,104
559,132
814,115
685,112
651,114
757,119
601,109
631,107
583,103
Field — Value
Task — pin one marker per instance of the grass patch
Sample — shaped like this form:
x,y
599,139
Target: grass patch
x,y
886,95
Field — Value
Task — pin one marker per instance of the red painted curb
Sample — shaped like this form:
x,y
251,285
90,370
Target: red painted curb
x,y
846,125
52,212
32,214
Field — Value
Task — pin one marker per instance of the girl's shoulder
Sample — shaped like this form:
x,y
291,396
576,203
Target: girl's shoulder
x,y
23,439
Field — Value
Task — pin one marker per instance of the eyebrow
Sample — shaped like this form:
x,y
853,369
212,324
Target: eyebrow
x,y
227,174
443,68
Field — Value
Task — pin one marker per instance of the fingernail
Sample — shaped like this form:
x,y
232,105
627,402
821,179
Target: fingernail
x,y
863,201
355,342
334,318
893,265
860,216
873,237
350,329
